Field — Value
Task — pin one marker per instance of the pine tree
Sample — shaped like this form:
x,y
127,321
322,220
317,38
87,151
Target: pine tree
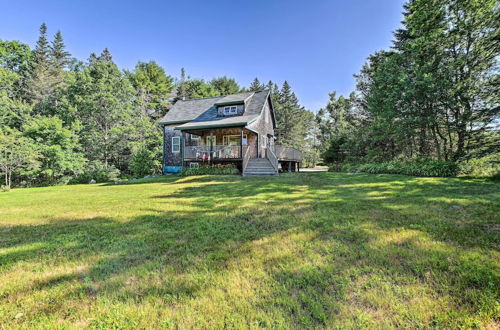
x,y
181,86
256,86
39,84
42,49
291,121
59,57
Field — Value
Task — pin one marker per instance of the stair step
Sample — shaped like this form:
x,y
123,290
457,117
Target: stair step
x,y
260,174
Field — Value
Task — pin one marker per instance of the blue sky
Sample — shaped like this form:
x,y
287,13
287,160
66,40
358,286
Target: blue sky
x,y
316,45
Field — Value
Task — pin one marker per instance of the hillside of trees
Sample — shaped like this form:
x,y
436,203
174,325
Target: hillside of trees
x,y
66,120
434,95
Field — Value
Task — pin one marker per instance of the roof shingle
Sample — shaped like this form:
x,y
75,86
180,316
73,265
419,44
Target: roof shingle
x,y
203,112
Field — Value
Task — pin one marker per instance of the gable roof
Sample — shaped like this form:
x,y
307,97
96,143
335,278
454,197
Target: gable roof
x,y
201,113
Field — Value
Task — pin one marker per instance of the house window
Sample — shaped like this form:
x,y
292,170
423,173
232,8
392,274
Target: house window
x,y
231,110
233,140
264,141
176,143
195,139
208,140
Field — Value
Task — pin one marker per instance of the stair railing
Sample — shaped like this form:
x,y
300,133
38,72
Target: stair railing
x,y
272,157
246,158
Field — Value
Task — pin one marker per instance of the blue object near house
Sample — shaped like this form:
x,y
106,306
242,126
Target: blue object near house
x,y
172,169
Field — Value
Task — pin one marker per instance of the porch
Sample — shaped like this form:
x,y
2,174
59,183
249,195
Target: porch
x,y
219,145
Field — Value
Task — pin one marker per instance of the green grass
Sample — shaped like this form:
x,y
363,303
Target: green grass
x,y
301,250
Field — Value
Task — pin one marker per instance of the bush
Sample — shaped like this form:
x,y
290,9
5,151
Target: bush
x,y
208,170
488,166
413,167
144,162
4,188
97,171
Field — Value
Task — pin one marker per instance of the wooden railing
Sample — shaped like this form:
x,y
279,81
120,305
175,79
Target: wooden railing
x,y
288,153
246,158
214,152
272,158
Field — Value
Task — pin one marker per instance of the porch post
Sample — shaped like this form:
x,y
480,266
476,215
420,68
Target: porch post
x,y
183,146
211,146
241,144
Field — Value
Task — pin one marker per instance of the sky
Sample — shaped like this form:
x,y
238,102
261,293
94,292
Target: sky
x,y
316,45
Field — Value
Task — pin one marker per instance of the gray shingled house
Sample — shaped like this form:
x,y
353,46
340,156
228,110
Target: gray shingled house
x,y
234,129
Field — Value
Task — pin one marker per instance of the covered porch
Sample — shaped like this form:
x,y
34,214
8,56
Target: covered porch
x,y
218,145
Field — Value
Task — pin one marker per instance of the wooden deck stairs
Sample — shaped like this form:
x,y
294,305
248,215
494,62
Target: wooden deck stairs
x,y
259,167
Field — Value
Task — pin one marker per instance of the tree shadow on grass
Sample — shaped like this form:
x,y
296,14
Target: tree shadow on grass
x,y
177,249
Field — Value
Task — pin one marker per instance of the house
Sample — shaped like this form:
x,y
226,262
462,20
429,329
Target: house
x,y
236,129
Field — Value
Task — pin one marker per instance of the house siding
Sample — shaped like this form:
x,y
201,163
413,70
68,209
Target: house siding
x,y
263,125
172,161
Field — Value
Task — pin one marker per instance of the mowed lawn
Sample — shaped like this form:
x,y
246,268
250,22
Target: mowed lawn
x,y
301,250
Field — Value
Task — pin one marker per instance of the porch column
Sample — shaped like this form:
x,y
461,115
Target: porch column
x,y
211,146
241,144
183,146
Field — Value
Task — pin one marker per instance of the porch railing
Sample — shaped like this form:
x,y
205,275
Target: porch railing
x,y
214,152
272,158
246,157
287,153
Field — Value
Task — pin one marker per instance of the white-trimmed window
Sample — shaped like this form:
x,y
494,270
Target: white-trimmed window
x,y
176,143
264,141
231,110
233,140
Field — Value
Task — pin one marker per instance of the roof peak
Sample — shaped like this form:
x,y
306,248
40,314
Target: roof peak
x,y
222,96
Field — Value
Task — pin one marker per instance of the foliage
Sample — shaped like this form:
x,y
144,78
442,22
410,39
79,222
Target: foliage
x,y
256,86
433,95
144,162
488,166
105,109
18,155
324,250
58,147
225,86
98,171
414,167
209,170
153,87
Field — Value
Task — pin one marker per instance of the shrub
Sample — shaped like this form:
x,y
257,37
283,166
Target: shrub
x,y
97,171
144,162
414,167
208,170
488,166
4,188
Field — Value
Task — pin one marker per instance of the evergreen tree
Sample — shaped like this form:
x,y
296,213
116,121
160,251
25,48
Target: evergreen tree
x,y
291,119
181,86
256,86
39,84
59,57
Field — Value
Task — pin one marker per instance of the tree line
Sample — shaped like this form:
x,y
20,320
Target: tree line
x,y
66,120
434,94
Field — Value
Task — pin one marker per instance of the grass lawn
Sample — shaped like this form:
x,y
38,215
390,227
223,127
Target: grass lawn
x,y
301,250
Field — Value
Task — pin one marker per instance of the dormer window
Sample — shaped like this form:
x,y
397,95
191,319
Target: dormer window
x,y
231,110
